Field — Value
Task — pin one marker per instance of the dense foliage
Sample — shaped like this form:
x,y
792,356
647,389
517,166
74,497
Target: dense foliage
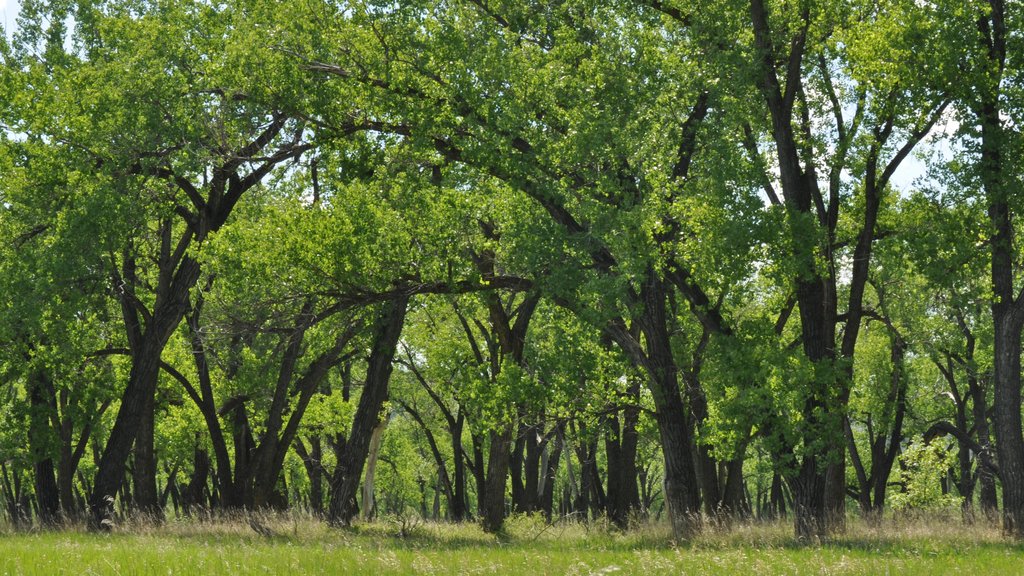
x,y
454,259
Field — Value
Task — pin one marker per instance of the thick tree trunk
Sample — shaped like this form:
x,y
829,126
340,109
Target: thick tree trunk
x,y
168,312
734,497
809,501
620,448
707,477
144,466
835,493
47,494
492,505
1007,309
479,470
110,473
531,467
617,505
682,496
345,480
1009,442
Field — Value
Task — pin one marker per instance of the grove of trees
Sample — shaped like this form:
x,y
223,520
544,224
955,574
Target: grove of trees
x,y
694,261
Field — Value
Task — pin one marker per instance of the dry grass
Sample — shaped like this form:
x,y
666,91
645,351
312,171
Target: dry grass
x,y
299,544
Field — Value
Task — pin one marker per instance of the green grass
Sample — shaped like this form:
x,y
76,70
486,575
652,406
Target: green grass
x,y
301,546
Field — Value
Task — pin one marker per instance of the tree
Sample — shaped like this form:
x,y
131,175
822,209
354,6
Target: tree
x,y
790,44
176,139
995,110
550,153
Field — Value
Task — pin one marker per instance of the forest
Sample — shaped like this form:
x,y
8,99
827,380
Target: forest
x,y
639,261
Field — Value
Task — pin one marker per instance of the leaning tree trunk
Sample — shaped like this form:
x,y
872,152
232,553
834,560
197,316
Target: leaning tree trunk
x,y
347,473
110,473
168,312
682,494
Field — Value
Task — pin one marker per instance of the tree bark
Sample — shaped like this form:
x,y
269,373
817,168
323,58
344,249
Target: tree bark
x,y
345,480
40,448
986,477
1009,443
682,496
1007,313
460,500
144,468
369,505
492,505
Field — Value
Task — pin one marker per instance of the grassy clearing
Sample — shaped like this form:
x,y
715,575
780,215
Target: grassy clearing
x,y
302,546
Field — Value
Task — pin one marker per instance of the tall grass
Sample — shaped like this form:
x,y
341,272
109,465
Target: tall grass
x,y
297,544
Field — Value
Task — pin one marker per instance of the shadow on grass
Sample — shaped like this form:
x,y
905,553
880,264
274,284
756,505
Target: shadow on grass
x,y
919,538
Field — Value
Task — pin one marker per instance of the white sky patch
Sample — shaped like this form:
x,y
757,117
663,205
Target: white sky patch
x,y
9,15
938,146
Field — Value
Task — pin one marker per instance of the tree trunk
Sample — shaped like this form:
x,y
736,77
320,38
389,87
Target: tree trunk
x,y
369,506
313,462
1007,312
1009,443
345,480
460,499
734,500
492,505
531,467
194,498
144,468
835,493
547,487
620,448
517,460
682,496
616,509
479,472
815,292
777,498
47,494
707,477
986,478
168,312
110,473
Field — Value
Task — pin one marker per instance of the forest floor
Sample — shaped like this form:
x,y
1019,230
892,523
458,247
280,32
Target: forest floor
x,y
303,546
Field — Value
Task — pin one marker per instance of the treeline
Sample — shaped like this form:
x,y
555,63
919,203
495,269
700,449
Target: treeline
x,y
690,260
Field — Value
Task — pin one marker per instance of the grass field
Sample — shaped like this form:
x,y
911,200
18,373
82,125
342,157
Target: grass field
x,y
302,546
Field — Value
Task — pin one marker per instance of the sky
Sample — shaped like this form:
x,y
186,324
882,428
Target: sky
x,y
8,14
